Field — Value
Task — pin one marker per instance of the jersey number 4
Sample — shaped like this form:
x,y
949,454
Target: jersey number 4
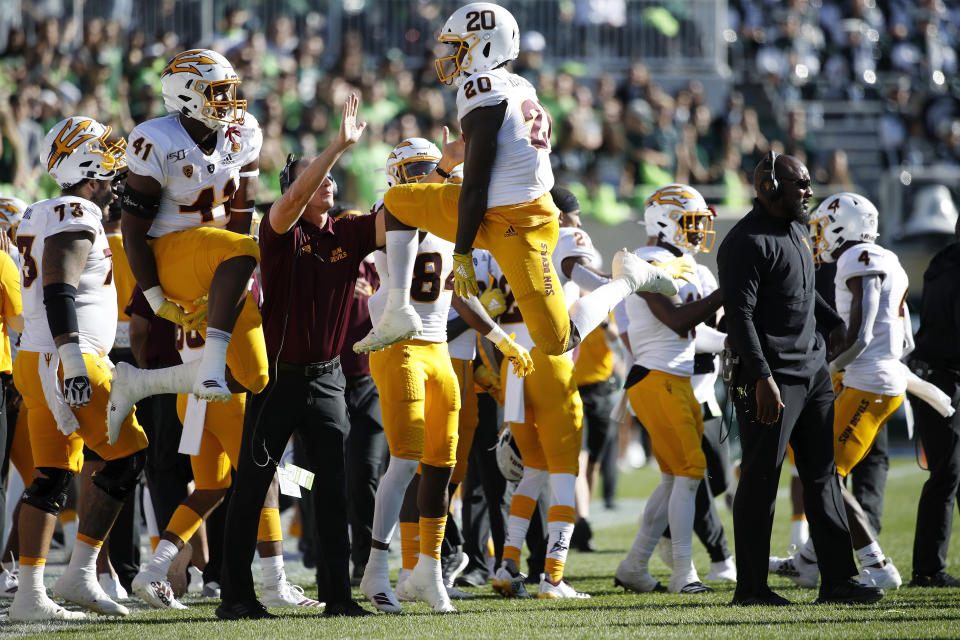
x,y
206,201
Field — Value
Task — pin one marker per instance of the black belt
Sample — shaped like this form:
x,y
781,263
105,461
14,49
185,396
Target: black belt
x,y
310,369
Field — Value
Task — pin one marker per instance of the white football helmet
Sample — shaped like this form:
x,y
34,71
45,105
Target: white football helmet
x,y
78,148
411,161
11,212
508,456
843,217
202,85
679,215
486,35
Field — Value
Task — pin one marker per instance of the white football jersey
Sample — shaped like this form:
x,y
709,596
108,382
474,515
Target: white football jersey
x,y
878,368
431,290
573,243
464,346
521,171
656,346
189,344
96,299
196,186
704,383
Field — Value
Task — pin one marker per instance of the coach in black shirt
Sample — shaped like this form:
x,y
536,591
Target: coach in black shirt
x,y
782,391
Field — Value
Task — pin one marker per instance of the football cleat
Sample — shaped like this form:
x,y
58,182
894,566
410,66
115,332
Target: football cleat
x,y
453,565
395,325
456,594
401,589
426,585
81,588
212,389
37,606
286,595
561,589
803,573
723,570
885,577
633,578
691,587
641,275
123,395
112,587
210,590
9,583
664,551
509,585
377,590
154,589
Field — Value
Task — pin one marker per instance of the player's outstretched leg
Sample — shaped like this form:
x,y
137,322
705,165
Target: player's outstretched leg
x,y
131,384
399,320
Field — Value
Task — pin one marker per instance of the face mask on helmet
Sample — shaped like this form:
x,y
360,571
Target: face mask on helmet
x,y
11,212
677,214
80,148
411,161
202,85
483,36
841,218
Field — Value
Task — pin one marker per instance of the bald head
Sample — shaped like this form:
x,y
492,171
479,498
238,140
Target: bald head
x,y
792,195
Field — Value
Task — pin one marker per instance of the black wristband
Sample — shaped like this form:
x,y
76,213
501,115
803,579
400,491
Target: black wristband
x,y
59,298
443,174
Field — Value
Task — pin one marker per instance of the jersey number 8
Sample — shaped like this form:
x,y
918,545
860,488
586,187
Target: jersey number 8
x,y
425,286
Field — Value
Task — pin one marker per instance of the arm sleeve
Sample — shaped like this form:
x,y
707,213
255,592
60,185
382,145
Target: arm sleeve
x,y
739,280
869,309
587,279
709,340
827,317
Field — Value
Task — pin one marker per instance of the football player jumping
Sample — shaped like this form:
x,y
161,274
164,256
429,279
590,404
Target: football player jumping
x,y
63,373
504,204
187,208
419,395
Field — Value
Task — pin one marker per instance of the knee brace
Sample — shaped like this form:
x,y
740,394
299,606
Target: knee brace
x,y
49,493
120,476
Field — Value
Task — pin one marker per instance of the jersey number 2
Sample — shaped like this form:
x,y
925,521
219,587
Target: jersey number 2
x,y
540,123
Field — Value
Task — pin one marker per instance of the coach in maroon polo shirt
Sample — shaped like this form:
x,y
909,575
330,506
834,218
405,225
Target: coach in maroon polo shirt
x,y
309,266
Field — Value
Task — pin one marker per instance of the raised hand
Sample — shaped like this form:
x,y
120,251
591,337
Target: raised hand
x,y
451,151
350,128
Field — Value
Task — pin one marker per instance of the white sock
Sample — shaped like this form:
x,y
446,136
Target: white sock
x,y
681,513
870,555
390,492
588,312
377,564
272,568
213,362
807,552
178,379
530,485
562,493
84,558
428,563
31,579
163,557
401,248
70,530
799,532
653,522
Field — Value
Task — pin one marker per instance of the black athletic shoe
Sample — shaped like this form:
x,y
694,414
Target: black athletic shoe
x,y
768,599
582,537
347,609
940,579
849,592
476,577
251,610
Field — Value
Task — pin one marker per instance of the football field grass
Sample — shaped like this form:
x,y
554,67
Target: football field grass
x,y
610,613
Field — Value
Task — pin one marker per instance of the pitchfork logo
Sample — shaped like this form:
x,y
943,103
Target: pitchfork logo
x,y
67,141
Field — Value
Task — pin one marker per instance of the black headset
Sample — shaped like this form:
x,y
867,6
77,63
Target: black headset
x,y
771,186
286,175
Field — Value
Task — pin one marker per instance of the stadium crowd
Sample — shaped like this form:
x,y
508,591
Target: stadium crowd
x,y
252,330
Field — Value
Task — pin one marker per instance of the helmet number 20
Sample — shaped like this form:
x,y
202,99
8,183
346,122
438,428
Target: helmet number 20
x,y
477,20
540,123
